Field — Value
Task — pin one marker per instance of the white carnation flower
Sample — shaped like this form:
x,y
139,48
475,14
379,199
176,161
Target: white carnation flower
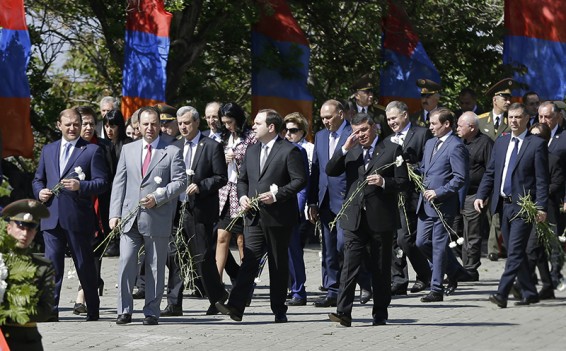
x,y
460,241
78,170
562,238
160,191
82,176
190,172
157,179
452,244
273,189
399,161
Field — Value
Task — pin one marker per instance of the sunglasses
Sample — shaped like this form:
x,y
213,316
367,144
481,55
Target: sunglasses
x,y
26,225
293,130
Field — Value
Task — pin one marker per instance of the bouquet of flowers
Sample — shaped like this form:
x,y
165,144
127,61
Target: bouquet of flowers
x,y
77,173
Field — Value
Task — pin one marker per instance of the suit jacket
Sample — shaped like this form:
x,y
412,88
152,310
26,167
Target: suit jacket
x,y
209,165
73,210
486,125
558,146
530,174
447,173
321,184
413,151
380,202
555,188
129,187
285,168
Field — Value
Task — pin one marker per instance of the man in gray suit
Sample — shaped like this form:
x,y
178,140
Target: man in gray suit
x,y
151,174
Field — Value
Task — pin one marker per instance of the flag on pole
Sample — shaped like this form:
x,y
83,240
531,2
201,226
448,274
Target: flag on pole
x,y
405,60
15,48
146,52
280,63
535,44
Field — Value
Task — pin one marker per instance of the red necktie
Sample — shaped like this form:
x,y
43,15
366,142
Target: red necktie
x,y
146,161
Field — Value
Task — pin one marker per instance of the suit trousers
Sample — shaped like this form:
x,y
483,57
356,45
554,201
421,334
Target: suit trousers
x,y
515,232
56,241
155,248
473,223
297,271
537,258
258,237
355,251
332,246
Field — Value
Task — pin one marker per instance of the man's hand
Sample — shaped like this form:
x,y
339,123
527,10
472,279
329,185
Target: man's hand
x,y
479,204
266,198
541,216
148,201
45,194
429,195
375,179
313,214
71,184
192,189
245,203
113,222
351,141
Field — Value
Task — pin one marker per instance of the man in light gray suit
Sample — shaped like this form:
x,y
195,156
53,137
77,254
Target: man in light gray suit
x,y
149,173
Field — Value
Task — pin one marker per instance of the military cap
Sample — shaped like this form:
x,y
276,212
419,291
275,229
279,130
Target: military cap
x,y
364,83
166,113
503,87
26,210
428,86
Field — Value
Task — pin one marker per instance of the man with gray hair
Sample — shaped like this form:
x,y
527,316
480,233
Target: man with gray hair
x,y
107,103
479,146
213,121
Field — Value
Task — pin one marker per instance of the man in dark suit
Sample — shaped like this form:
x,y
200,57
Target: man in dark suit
x,y
531,100
272,171
372,217
205,158
445,171
468,101
72,219
149,174
430,97
213,121
518,166
412,138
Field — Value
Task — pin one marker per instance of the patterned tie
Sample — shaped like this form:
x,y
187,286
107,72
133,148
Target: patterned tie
x,y
436,147
507,188
189,155
64,158
367,156
147,160
263,159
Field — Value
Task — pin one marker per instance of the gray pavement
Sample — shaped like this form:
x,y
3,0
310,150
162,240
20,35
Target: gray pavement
x,y
464,321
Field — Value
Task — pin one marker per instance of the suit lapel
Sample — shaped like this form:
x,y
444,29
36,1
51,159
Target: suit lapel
x,y
274,150
521,152
440,150
410,134
157,155
375,157
79,147
198,153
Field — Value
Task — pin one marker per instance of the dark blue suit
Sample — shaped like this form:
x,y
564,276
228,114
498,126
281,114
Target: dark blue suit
x,y
446,173
328,193
530,176
72,218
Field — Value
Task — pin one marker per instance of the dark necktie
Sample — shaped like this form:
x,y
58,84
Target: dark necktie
x,y
189,155
496,124
436,147
367,156
147,160
507,188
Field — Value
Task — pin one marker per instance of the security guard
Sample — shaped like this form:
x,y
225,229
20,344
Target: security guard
x,y
169,126
430,97
23,217
363,97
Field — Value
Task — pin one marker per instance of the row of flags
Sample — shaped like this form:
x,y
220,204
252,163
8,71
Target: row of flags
x,y
535,42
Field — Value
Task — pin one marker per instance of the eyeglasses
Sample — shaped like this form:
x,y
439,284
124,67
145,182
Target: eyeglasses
x,y
293,130
26,225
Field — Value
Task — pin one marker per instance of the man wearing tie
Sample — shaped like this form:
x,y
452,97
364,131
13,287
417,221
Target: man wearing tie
x,y
273,171
151,174
72,219
518,166
445,172
205,158
412,138
372,218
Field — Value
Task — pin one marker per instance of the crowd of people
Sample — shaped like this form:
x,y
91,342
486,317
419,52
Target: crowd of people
x,y
385,187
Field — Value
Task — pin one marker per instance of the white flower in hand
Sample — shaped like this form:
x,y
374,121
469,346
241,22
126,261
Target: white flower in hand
x,y
160,191
273,188
78,170
399,161
157,179
452,244
190,172
82,176
460,241
562,238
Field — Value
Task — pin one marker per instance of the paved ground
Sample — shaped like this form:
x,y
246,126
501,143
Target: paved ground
x,y
464,321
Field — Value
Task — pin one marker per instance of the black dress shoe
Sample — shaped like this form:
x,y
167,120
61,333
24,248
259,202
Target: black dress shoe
x,y
419,286
228,311
546,294
212,310
516,291
399,292
470,276
325,302
365,296
172,311
139,295
498,300
493,256
124,319
322,288
53,318
451,287
528,301
378,321
79,308
92,318
296,301
150,320
280,318
433,296
341,318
